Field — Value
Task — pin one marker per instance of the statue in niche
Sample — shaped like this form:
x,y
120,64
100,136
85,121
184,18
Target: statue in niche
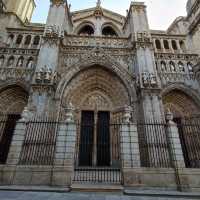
x,y
1,61
30,64
20,62
10,62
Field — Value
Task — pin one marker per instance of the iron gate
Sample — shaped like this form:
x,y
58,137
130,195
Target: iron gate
x,y
97,157
189,133
7,127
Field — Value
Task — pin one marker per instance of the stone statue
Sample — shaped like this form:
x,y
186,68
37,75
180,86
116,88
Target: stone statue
x,y
10,62
20,62
30,64
1,61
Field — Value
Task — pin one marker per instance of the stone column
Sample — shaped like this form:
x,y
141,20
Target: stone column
x,y
18,139
15,150
130,154
176,153
63,171
174,141
45,79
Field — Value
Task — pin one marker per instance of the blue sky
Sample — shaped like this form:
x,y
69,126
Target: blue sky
x,y
161,13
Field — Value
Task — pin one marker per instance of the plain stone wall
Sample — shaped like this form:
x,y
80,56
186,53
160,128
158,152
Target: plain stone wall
x,y
150,178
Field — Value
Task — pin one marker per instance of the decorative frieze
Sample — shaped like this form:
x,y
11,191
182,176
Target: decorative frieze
x,y
171,56
22,74
107,42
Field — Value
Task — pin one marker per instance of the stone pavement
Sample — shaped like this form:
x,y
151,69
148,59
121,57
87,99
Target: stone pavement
x,y
20,195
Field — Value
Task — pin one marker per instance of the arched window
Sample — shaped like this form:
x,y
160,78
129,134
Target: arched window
x,y
181,67
27,40
190,68
158,44
19,39
109,31
30,63
182,45
163,66
2,58
36,40
10,62
172,66
86,30
20,62
166,44
174,45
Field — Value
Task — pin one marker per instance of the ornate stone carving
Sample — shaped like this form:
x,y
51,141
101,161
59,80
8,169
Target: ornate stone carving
x,y
46,76
149,79
17,74
127,114
53,31
143,40
69,113
57,2
96,101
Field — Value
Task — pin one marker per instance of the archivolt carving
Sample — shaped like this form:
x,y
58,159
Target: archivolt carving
x,y
13,100
180,104
97,57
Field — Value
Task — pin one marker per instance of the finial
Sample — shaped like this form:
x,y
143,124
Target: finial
x,y
98,3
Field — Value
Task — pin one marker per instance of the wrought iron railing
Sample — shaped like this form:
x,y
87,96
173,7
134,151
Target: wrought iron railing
x,y
154,144
189,133
39,143
97,157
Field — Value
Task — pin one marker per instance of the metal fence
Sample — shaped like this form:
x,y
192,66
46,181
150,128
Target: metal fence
x,y
97,157
189,132
39,142
154,145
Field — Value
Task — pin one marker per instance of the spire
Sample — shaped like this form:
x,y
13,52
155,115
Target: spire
x,y
98,3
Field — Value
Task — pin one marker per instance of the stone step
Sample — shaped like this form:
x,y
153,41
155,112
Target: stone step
x,y
112,188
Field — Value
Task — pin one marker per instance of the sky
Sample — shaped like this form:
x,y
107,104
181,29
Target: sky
x,y
161,13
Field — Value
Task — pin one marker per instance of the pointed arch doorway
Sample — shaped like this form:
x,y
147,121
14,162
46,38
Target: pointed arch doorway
x,y
94,144
99,97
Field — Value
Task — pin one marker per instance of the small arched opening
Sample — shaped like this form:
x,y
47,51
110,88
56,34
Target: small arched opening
x,y
158,44
109,31
86,30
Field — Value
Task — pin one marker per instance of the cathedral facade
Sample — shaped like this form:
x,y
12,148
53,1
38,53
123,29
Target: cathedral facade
x,y
94,96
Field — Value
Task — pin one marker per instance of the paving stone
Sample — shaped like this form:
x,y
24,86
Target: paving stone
x,y
15,195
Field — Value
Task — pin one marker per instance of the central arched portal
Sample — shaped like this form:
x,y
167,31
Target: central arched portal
x,y
99,97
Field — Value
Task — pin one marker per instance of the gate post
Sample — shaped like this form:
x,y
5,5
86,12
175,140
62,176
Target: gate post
x,y
15,148
130,154
63,170
176,152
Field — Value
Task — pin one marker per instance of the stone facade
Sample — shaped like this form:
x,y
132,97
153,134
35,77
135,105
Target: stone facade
x,y
98,60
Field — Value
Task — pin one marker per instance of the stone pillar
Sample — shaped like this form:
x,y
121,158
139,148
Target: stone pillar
x,y
174,141
45,79
130,154
18,139
15,150
63,171
176,153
